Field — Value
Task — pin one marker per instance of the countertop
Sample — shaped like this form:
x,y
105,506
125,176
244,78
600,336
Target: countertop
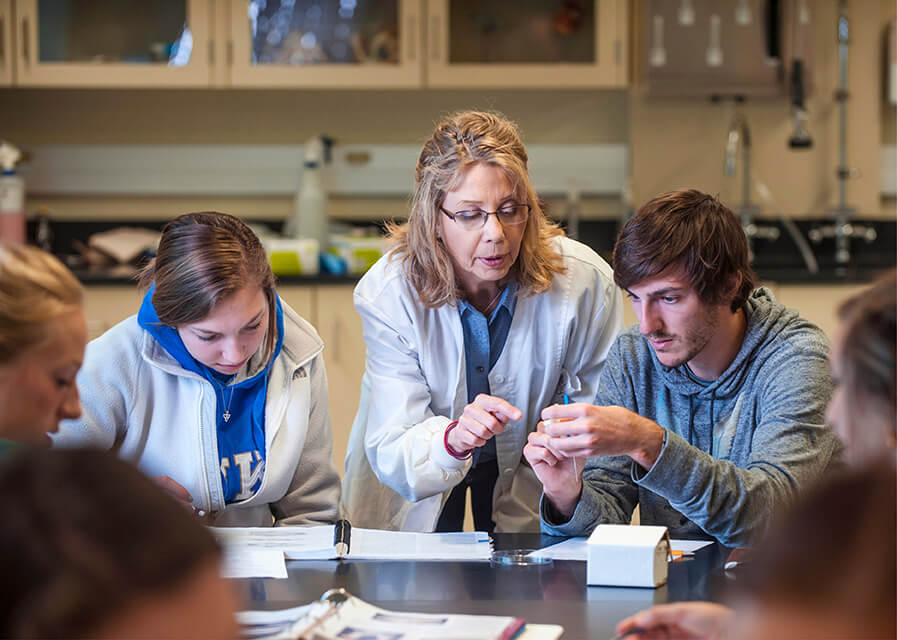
x,y
774,260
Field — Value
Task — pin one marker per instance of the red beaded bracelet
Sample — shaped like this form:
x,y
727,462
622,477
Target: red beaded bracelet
x,y
460,456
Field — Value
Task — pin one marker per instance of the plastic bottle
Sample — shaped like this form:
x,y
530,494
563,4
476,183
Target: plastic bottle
x,y
12,196
309,217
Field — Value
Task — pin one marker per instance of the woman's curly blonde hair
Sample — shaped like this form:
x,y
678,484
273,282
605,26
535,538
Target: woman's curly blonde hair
x,y
460,141
35,288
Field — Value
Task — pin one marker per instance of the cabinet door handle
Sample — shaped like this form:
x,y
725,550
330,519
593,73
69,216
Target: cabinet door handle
x,y
25,47
336,339
412,39
2,41
435,38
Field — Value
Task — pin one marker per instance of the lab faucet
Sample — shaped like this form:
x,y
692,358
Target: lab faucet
x,y
842,229
740,132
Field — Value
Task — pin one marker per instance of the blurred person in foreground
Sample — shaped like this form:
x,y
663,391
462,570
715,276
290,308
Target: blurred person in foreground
x,y
42,337
95,549
828,568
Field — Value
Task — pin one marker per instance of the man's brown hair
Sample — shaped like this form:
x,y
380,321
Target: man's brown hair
x,y
691,230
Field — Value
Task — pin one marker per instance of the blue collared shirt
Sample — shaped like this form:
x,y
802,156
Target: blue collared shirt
x,y
483,341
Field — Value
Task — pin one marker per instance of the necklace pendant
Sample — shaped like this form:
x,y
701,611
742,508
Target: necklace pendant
x,y
226,415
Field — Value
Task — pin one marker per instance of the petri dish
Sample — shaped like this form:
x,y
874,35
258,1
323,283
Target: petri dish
x,y
518,558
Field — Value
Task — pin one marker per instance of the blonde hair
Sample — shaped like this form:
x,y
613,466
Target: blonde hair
x,y
203,258
460,141
35,288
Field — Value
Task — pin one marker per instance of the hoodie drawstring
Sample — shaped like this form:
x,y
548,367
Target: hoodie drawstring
x,y
691,419
692,439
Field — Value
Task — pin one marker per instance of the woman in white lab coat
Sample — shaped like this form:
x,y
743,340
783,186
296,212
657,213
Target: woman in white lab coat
x,y
482,315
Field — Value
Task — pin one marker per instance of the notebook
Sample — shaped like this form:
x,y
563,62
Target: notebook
x,y
339,615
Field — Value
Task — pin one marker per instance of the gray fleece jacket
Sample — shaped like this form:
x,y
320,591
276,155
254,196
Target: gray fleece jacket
x,y
735,449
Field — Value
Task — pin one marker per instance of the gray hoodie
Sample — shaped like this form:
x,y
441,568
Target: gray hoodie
x,y
735,448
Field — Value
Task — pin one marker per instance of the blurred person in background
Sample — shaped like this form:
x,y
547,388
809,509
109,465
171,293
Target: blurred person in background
x,y
42,337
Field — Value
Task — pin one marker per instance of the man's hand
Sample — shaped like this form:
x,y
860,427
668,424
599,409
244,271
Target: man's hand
x,y
588,430
482,419
561,477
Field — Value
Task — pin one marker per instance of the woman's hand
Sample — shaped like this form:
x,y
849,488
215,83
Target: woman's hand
x,y
178,492
685,620
482,419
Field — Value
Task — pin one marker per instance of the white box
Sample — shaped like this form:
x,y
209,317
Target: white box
x,y
359,252
620,555
292,256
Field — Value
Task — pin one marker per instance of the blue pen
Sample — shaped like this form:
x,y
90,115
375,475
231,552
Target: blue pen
x,y
567,401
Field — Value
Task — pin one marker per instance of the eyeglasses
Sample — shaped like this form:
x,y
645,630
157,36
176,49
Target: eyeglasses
x,y
511,214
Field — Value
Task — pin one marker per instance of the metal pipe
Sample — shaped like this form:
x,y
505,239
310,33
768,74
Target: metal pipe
x,y
739,131
843,39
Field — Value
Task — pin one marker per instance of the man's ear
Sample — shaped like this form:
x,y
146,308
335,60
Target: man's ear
x,y
734,285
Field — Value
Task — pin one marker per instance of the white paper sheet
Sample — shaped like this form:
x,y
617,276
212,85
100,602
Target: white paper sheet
x,y
575,548
316,543
268,624
253,562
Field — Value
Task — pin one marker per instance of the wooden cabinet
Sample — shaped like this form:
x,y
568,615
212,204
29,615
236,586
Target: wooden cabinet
x,y
127,43
344,354
529,44
301,299
329,308
313,43
6,43
107,305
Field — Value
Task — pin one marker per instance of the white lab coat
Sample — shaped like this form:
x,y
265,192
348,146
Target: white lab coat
x,y
415,383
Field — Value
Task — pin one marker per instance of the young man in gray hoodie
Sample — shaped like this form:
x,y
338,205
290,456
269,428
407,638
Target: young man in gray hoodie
x,y
709,412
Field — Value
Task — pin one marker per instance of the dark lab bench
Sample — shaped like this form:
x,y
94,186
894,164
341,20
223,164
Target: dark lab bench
x,y
545,594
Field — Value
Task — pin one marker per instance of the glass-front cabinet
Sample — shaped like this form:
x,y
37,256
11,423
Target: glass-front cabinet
x,y
310,44
325,43
527,43
84,43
